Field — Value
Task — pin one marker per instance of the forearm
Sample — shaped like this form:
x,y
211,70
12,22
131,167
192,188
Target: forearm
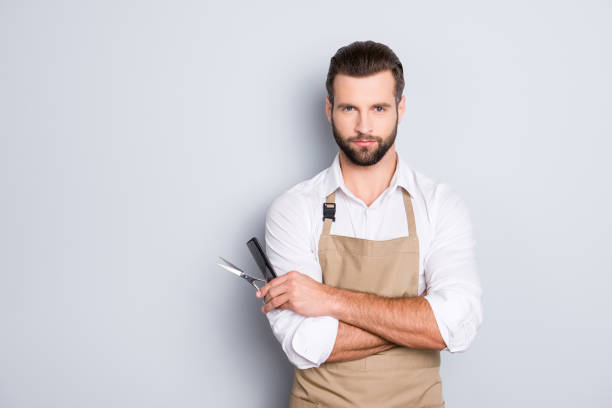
x,y
408,322
353,343
349,355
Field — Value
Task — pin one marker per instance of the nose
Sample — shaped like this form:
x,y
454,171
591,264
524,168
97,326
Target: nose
x,y
364,125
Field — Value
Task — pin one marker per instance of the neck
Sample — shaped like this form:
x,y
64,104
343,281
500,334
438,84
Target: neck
x,y
368,182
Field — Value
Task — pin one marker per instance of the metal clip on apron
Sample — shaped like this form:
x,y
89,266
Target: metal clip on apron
x,y
398,377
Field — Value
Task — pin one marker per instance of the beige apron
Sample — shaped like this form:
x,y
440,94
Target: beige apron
x,y
398,377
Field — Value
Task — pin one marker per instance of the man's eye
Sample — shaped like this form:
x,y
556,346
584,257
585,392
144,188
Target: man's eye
x,y
346,108
379,109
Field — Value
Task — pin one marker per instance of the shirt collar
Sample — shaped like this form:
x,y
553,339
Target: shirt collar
x,y
401,177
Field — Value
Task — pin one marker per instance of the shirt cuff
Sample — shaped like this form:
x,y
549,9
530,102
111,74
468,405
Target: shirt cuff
x,y
462,334
315,338
434,302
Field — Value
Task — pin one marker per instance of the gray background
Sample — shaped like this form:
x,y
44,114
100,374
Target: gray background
x,y
139,140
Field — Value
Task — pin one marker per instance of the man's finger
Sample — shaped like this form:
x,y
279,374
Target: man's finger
x,y
274,282
275,303
276,291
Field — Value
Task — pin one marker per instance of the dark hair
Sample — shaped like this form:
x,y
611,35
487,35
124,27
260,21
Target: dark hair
x,y
363,58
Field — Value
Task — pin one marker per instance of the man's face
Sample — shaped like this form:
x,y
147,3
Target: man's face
x,y
364,117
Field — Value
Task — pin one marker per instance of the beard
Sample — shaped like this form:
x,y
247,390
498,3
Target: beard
x,y
364,155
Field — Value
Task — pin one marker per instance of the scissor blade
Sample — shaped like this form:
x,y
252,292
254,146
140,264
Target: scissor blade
x,y
230,264
232,270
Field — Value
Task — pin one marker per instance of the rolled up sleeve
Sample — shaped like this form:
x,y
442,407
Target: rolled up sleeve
x,y
453,285
307,341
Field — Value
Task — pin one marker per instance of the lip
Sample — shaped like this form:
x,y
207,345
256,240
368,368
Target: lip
x,y
364,142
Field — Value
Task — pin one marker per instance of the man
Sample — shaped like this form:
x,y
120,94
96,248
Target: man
x,y
376,262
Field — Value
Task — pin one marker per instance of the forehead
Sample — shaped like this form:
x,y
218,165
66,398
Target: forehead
x,y
375,87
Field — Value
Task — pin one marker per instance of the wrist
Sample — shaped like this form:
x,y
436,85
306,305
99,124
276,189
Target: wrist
x,y
332,301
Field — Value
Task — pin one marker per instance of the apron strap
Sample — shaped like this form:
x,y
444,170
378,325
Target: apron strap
x,y
409,214
331,199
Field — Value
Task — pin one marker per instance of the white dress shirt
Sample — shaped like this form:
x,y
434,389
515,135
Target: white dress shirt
x,y
447,262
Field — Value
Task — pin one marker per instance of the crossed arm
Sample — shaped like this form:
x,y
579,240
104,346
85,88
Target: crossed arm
x,y
353,343
367,323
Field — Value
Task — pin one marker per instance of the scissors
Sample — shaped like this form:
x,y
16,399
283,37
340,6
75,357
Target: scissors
x,y
237,271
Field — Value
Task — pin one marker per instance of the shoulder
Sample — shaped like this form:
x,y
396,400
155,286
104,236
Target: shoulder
x,y
438,198
437,192
298,203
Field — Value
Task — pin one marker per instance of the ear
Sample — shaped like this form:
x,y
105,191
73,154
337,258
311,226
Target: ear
x,y
328,108
401,108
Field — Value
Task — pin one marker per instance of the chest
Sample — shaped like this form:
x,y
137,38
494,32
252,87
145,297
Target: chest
x,y
371,249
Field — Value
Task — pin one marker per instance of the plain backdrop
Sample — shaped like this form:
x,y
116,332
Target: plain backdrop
x,y
139,140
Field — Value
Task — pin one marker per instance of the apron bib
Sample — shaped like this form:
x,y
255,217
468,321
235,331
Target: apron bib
x,y
398,377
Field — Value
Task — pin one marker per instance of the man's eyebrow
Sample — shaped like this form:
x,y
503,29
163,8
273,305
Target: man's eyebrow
x,y
383,104
343,105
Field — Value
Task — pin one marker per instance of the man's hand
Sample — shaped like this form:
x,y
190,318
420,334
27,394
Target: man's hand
x,y
297,292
